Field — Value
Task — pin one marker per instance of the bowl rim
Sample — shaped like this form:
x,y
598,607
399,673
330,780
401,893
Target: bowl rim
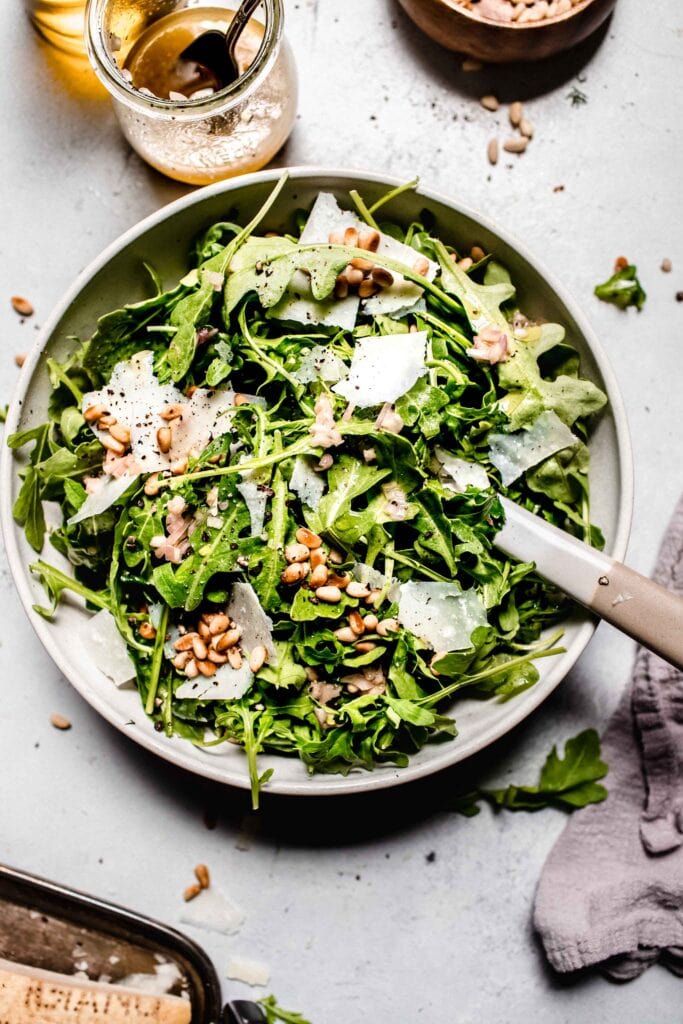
x,y
388,776
477,19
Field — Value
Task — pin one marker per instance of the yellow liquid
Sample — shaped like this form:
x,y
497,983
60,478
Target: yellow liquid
x,y
221,145
60,22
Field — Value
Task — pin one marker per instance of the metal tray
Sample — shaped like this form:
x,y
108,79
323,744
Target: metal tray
x,y
47,926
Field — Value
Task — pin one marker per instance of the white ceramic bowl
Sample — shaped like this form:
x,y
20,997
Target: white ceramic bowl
x,y
164,240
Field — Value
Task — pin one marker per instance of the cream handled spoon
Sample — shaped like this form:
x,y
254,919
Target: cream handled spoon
x,y
636,605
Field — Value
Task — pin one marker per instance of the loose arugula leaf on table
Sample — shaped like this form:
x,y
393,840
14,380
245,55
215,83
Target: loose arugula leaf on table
x,y
275,1013
568,783
623,289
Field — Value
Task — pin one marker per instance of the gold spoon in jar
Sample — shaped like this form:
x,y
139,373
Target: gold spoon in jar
x,y
215,50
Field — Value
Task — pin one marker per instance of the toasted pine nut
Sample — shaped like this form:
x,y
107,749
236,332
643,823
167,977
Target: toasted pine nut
x,y
120,433
515,113
356,623
358,263
106,421
341,287
465,263
172,411
526,128
257,658
517,145
371,621
383,277
296,553
490,102
367,288
336,237
374,596
235,658
201,873
477,253
184,643
369,240
60,722
421,266
318,557
295,572
219,623
199,647
181,660
164,439
93,412
207,668
191,670
387,626
151,487
147,631
345,635
335,580
191,892
330,595
216,658
203,630
335,557
365,645
307,537
492,151
356,589
319,576
21,306
351,237
228,639
20,359
241,400
179,467
353,276
111,444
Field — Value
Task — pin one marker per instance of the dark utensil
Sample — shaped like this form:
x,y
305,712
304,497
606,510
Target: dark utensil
x,y
43,925
215,51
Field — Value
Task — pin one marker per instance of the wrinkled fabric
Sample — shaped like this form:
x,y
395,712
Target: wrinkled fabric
x,y
611,891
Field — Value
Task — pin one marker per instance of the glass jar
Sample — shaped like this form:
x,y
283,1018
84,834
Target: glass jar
x,y
60,22
210,135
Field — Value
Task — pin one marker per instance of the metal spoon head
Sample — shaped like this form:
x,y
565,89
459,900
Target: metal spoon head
x,y
209,51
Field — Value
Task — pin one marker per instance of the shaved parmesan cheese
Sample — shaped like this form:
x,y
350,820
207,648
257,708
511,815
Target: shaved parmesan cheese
x,y
227,684
327,216
384,368
320,363
255,494
308,485
166,976
458,474
107,648
513,454
108,492
135,398
299,306
213,911
251,972
375,579
245,609
441,614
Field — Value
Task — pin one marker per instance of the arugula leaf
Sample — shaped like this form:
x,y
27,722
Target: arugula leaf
x,y
481,302
347,479
434,530
275,1013
286,671
187,316
569,783
623,289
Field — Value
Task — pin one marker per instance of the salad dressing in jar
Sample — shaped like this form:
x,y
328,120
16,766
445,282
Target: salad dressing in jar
x,y
174,112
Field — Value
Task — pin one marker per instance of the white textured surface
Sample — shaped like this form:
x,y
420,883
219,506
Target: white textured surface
x,y
340,900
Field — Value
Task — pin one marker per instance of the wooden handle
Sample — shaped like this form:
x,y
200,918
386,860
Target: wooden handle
x,y
29,995
633,603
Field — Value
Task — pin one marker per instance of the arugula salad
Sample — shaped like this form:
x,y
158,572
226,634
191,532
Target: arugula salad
x,y
279,486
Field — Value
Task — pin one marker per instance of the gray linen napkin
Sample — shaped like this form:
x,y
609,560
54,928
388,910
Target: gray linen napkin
x,y
611,891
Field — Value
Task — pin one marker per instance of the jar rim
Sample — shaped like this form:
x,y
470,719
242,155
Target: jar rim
x,y
219,102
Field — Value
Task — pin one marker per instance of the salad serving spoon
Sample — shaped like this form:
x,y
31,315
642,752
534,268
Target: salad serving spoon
x,y
639,607
215,50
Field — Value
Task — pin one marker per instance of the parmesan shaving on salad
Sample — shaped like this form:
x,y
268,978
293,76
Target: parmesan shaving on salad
x,y
441,614
383,368
513,454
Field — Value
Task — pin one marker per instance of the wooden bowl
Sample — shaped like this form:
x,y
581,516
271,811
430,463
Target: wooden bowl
x,y
499,42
